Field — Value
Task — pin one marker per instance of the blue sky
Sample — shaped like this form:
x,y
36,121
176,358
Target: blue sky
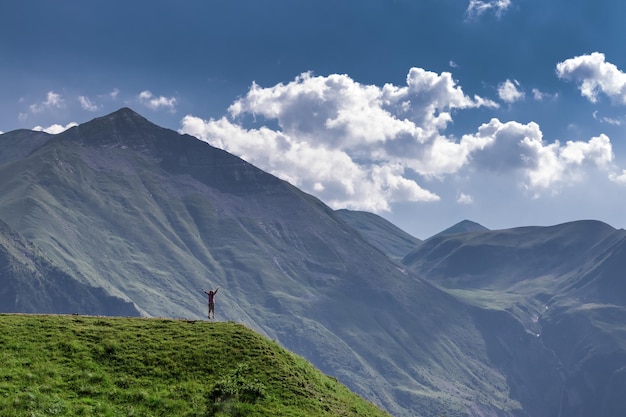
x,y
505,112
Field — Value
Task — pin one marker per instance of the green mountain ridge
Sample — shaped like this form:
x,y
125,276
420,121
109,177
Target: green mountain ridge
x,y
153,216
78,365
523,322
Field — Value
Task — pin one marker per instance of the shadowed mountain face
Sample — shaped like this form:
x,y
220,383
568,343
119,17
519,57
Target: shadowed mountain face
x,y
19,143
564,284
152,216
29,283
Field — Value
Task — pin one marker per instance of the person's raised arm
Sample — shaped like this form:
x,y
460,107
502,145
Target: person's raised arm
x,y
215,292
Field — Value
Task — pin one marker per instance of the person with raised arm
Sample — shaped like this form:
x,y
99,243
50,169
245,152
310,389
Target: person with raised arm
x,y
211,294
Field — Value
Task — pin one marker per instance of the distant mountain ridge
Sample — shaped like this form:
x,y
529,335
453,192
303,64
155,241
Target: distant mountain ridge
x,y
521,322
395,242
18,144
464,226
565,285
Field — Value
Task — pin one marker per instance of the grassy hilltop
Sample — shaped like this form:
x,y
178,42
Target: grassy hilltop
x,y
97,366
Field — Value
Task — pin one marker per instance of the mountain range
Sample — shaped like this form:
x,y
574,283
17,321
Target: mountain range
x,y
118,216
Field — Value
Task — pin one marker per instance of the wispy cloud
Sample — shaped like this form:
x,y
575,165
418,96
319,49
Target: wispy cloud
x,y
463,198
478,7
156,103
539,95
594,75
510,91
87,104
53,100
609,120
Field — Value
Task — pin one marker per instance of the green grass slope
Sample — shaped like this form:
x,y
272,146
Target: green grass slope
x,y
88,366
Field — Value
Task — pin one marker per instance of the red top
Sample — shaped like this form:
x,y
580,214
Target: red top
x,y
211,295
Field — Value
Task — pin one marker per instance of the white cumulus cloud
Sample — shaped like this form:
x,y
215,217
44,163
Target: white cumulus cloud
x,y
516,147
353,145
366,147
331,174
594,75
55,128
156,103
510,91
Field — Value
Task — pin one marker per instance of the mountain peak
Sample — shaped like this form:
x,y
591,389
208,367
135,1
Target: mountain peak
x,y
122,128
125,130
124,116
125,113
464,226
